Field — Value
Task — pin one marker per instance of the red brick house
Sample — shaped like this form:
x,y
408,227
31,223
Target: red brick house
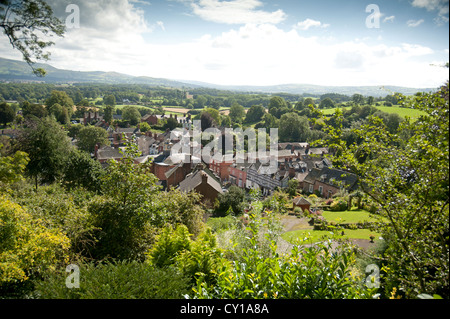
x,y
203,183
221,168
328,181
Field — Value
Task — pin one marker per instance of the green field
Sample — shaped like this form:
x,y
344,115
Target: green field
x,y
403,112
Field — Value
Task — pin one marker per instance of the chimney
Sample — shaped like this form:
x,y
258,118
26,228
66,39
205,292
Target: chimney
x,y
96,150
204,178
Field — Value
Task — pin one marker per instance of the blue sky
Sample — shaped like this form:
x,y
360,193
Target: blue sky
x,y
259,42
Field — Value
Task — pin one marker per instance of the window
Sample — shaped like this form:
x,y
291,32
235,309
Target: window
x,y
321,190
311,188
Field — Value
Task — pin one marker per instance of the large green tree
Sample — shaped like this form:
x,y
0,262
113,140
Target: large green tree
x,y
237,112
294,128
131,113
47,145
407,181
89,136
7,114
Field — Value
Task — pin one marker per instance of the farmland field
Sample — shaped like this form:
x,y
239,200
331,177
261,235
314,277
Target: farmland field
x,y
403,112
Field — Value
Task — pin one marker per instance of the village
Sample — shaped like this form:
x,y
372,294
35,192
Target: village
x,y
295,161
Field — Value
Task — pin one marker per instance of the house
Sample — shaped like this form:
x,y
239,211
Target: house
x,y
177,174
117,135
106,153
328,181
220,166
203,183
261,176
91,117
302,203
238,174
152,119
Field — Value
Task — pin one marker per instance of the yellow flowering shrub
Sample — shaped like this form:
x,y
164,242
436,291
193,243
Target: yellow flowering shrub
x,y
27,247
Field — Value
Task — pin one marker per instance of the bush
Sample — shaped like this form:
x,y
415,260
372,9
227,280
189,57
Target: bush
x,y
339,205
218,224
174,248
27,247
315,272
122,280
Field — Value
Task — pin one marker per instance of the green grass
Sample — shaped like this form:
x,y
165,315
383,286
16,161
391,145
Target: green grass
x,y
309,236
349,217
403,112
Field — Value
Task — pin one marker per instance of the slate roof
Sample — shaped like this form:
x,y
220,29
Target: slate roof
x,y
333,177
107,152
195,179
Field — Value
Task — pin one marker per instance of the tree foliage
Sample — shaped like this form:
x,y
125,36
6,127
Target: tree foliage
x,y
408,180
26,23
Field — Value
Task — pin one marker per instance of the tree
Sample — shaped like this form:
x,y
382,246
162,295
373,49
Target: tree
x,y
407,182
237,112
47,146
26,23
109,100
90,136
326,103
132,114
200,102
7,114
145,127
255,114
109,114
294,128
171,124
124,213
36,110
270,121
61,98
358,99
308,101
277,102
82,171
233,199
60,113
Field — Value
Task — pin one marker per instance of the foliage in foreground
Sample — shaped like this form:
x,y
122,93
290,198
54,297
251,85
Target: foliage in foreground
x,y
317,272
121,280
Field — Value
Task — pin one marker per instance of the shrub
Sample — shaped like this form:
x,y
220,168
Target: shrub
x,y
339,205
317,272
121,280
175,248
27,247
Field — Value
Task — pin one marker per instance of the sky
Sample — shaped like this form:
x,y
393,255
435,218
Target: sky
x,y
257,42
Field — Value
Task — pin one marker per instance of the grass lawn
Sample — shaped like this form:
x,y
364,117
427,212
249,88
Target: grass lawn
x,y
309,236
349,217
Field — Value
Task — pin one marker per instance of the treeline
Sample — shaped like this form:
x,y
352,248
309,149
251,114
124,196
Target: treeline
x,y
134,93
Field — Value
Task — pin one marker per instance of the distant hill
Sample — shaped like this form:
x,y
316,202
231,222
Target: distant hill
x,y
18,71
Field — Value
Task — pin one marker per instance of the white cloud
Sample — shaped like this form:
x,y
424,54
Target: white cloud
x,y
389,19
441,6
309,23
414,23
236,12
252,54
